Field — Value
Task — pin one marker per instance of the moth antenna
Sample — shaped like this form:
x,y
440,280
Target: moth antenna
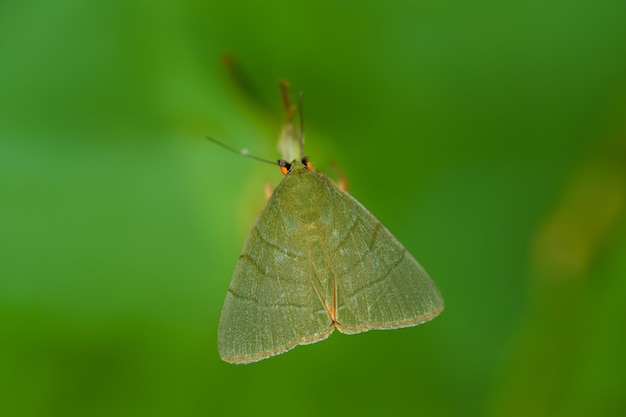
x,y
243,152
301,138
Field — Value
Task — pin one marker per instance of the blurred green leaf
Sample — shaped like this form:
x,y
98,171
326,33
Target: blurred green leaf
x,y
466,128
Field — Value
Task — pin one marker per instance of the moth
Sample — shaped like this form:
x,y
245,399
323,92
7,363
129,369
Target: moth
x,y
314,261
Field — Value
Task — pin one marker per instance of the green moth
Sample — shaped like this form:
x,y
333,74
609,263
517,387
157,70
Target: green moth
x,y
315,260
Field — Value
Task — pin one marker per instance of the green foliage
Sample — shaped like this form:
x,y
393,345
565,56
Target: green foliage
x,y
487,137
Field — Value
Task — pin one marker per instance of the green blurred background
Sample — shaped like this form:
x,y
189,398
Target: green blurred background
x,y
489,137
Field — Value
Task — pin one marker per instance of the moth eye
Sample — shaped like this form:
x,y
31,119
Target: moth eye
x,y
285,166
306,163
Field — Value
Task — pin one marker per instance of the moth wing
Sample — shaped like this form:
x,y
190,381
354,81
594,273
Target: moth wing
x,y
271,305
379,284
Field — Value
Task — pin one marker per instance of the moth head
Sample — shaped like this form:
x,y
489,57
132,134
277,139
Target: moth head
x,y
286,167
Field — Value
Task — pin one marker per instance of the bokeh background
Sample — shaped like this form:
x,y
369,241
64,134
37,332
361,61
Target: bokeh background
x,y
489,137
